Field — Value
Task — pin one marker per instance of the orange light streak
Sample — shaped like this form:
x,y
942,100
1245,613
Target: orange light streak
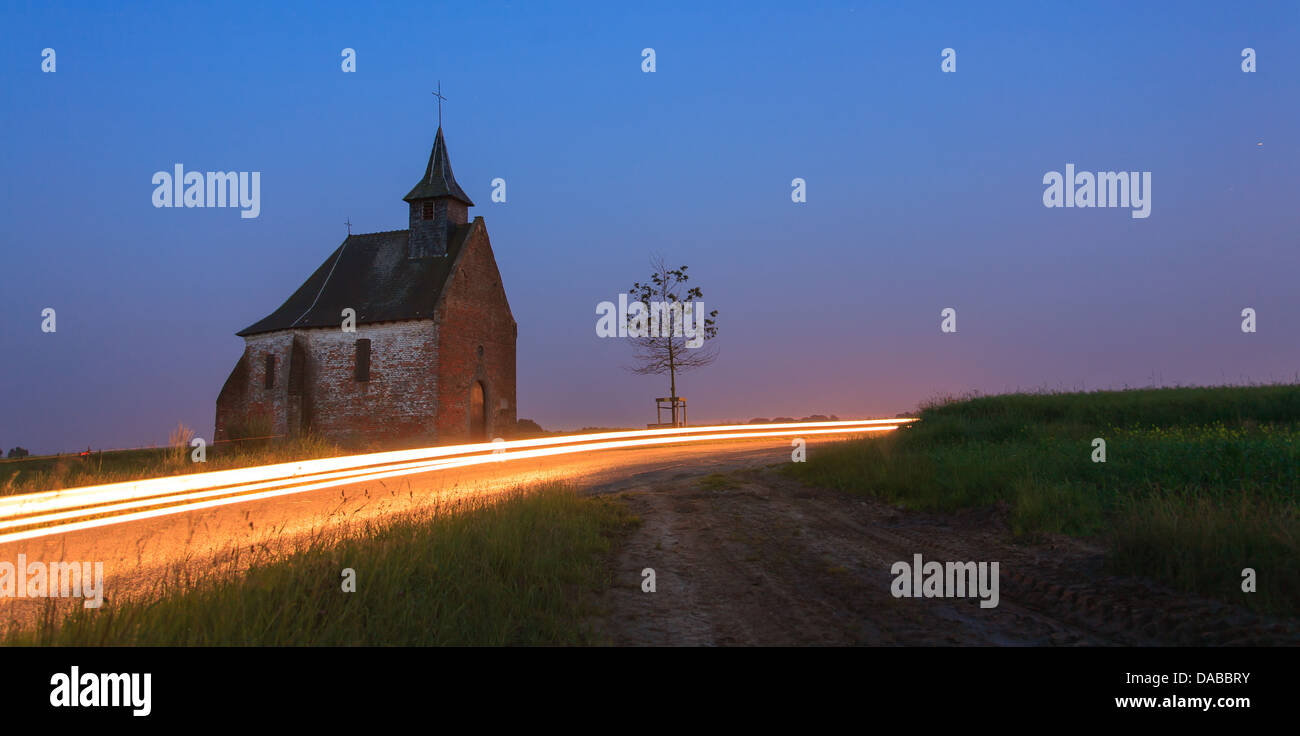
x,y
189,492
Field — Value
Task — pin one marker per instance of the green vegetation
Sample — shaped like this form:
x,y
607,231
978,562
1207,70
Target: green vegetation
x,y
718,482
51,472
1198,483
518,570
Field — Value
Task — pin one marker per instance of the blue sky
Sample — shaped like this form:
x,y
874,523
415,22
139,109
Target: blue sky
x,y
924,192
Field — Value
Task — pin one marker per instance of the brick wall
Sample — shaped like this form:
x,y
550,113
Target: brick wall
x,y
245,406
400,399
474,312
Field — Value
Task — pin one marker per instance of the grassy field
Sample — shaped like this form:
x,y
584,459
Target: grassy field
x,y
1198,483
519,570
52,472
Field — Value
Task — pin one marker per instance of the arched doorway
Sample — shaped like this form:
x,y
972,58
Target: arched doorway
x,y
477,413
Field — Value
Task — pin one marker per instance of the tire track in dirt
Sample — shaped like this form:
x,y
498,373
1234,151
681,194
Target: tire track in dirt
x,y
765,560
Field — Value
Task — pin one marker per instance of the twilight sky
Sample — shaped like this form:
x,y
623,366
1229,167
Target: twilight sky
x,y
924,191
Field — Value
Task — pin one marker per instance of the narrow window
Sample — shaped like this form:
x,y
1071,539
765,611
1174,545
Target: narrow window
x,y
428,210
363,360
270,371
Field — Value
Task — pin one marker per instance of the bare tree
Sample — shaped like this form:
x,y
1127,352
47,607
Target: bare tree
x,y
664,347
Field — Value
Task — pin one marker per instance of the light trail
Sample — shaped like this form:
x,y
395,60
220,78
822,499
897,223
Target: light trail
x,y
186,493
351,476
70,498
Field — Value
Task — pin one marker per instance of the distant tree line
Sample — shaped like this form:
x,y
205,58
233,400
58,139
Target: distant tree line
x,y
791,420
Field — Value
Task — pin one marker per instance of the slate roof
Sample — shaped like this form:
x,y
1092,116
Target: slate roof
x,y
438,180
371,274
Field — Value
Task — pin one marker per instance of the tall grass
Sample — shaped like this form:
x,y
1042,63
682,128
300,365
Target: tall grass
x,y
519,570
45,473
1198,483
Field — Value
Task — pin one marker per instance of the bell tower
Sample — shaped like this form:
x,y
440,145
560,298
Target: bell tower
x,y
438,205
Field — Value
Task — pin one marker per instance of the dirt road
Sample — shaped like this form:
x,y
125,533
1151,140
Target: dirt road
x,y
755,558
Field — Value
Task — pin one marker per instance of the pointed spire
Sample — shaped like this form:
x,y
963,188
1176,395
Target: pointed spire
x,y
438,180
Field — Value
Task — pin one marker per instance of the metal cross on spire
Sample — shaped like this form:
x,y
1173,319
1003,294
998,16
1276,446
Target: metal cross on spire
x,y
438,93
349,224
